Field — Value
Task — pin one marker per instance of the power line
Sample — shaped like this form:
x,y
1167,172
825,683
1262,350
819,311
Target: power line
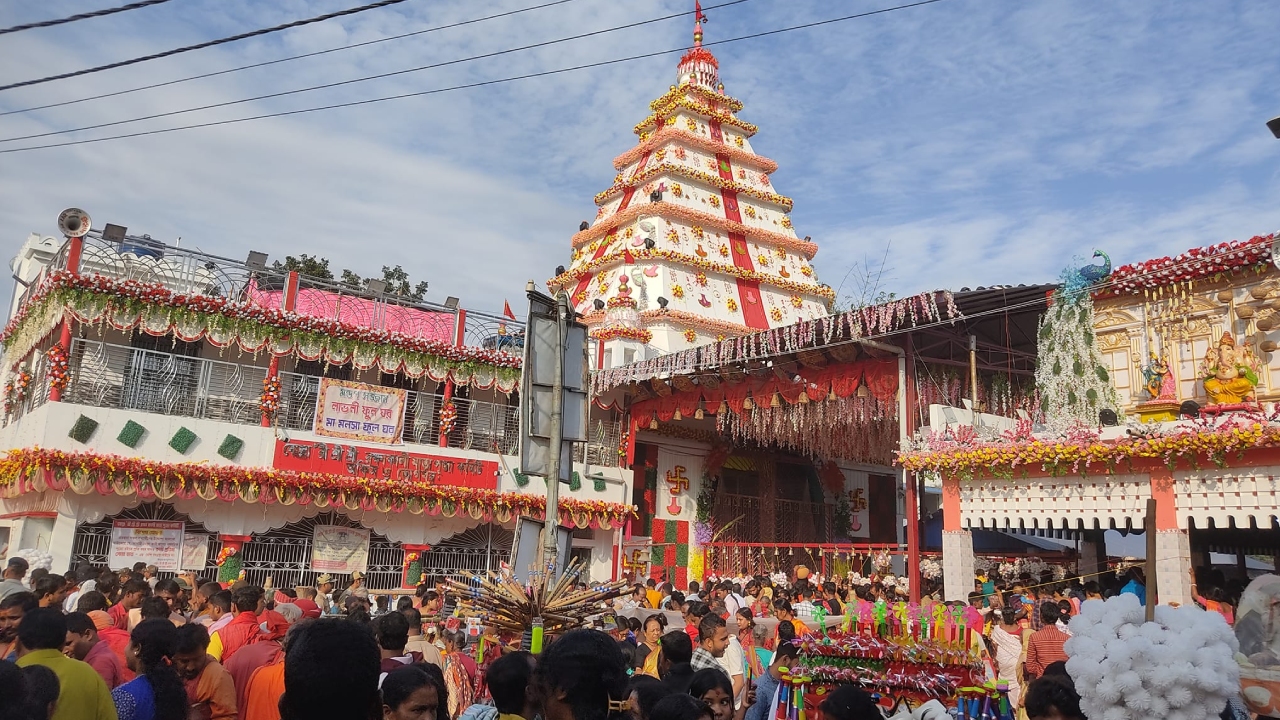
x,y
82,16
201,46
367,78
285,59
468,86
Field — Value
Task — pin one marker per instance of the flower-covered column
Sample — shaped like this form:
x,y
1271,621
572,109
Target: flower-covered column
x,y
58,354
413,574
230,558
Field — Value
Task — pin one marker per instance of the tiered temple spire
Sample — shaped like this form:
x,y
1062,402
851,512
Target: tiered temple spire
x,y
690,243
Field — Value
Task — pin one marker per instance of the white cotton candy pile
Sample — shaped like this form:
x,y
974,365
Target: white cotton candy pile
x,y
35,558
1180,667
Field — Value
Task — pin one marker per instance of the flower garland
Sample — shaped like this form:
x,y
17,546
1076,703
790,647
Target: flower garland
x,y
230,563
126,304
617,332
678,91
692,217
35,469
1225,258
57,368
972,458
448,417
573,275
269,401
676,169
664,111
15,391
674,134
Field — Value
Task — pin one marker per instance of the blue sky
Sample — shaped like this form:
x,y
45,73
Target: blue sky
x,y
980,142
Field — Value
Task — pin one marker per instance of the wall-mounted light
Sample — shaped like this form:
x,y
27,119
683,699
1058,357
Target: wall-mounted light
x,y
662,302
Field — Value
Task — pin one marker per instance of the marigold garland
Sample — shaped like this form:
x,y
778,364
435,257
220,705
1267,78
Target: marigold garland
x,y
86,472
664,111
573,275
994,459
678,91
269,401
15,391
56,366
696,218
448,417
617,332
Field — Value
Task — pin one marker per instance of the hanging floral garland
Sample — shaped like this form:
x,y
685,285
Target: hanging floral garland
x,y
448,417
57,368
35,469
15,391
126,304
269,401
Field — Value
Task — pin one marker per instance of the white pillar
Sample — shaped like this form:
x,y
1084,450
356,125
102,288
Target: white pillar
x,y
1173,566
61,540
957,564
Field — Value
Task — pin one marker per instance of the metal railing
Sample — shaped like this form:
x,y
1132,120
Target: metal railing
x,y
188,271
117,376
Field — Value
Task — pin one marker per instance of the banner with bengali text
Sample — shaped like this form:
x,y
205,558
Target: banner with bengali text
x,y
154,542
339,549
357,411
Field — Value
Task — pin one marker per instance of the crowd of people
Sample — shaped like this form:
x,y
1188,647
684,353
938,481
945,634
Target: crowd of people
x,y
97,644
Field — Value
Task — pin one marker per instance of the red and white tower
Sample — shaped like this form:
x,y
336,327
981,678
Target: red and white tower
x,y
691,243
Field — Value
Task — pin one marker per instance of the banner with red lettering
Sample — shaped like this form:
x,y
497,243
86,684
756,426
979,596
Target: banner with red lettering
x,y
357,411
367,462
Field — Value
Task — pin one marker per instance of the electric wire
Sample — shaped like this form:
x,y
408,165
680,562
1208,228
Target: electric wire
x,y
367,78
82,16
201,46
251,66
467,86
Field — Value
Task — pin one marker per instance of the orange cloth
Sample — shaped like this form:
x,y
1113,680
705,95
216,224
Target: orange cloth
x,y
655,597
214,690
265,688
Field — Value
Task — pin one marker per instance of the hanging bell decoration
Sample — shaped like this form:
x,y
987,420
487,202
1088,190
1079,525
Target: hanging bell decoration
x,y
724,407
804,398
748,403
776,400
698,414
653,424
677,415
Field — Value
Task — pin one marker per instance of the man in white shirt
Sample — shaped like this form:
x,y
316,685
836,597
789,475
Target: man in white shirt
x,y
733,664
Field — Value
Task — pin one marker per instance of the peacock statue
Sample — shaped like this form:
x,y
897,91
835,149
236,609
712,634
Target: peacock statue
x,y
1097,273
1078,279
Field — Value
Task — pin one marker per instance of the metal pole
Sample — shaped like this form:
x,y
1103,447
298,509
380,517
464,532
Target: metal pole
x,y
557,439
1151,560
973,375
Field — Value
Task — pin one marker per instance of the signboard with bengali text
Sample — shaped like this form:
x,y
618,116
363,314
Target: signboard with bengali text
x,y
339,549
357,411
380,464
154,542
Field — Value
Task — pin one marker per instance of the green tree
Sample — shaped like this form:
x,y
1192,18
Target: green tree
x,y
398,283
304,264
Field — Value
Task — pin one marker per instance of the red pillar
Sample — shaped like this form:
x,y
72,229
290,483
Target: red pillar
x,y
912,500
447,398
289,300
75,248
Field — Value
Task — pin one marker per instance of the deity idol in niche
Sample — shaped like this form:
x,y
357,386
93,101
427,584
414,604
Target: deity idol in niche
x,y
1229,373
1158,379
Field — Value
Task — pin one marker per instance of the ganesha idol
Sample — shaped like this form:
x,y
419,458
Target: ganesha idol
x,y
1230,373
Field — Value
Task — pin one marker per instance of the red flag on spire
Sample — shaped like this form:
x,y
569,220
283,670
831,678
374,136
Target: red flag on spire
x,y
506,310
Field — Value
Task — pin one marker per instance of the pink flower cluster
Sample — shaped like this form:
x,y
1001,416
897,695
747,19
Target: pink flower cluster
x,y
1225,257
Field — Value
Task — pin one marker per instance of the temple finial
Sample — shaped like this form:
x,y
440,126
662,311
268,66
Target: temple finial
x,y
698,18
